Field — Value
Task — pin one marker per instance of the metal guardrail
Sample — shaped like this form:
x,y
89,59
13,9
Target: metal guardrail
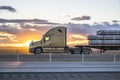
x,y
19,55
59,67
60,57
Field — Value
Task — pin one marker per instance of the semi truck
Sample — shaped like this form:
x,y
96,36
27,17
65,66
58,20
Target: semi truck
x,y
55,41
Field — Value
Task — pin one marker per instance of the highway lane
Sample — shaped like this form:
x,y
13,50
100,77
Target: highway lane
x,y
60,57
60,66
61,76
59,71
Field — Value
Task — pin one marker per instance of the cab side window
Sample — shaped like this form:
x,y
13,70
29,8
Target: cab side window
x,y
47,38
59,30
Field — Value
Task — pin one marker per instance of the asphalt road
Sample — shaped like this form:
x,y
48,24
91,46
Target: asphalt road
x,y
60,57
61,76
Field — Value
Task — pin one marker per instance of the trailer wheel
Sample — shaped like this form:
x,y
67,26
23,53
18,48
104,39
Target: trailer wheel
x,y
72,52
37,51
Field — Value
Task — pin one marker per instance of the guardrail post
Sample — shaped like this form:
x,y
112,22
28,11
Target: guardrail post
x,y
50,57
18,56
82,57
114,57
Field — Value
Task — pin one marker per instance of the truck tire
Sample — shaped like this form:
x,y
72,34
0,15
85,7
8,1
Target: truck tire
x,y
37,51
72,52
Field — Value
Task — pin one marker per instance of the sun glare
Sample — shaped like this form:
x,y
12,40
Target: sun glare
x,y
27,43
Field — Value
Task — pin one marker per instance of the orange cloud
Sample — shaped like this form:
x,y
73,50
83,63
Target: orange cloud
x,y
32,29
76,39
7,37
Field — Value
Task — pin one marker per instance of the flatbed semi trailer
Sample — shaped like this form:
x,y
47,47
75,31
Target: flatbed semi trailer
x,y
102,48
55,40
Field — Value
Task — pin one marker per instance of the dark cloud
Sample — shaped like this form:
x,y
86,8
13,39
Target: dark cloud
x,y
36,21
8,29
81,18
37,24
115,21
106,24
22,28
87,29
9,8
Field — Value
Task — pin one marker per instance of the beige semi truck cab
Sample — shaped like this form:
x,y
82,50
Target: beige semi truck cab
x,y
54,40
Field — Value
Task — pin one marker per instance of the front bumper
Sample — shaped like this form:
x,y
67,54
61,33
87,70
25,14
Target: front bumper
x,y
31,50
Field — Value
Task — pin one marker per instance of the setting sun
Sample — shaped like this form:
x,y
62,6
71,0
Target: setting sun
x,y
27,43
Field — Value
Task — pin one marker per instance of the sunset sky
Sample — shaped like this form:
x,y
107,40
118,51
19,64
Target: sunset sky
x,y
22,21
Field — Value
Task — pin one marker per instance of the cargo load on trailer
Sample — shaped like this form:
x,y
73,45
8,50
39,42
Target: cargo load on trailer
x,y
105,37
108,32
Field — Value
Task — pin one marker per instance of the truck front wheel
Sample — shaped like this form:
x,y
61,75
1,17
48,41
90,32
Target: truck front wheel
x,y
37,51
